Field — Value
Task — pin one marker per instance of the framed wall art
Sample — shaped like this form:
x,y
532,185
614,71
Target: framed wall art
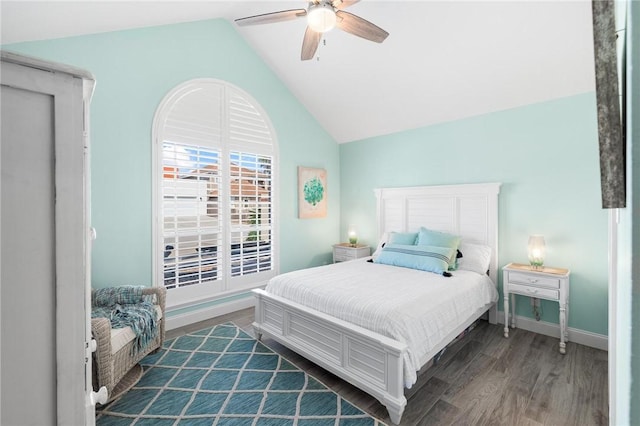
x,y
312,193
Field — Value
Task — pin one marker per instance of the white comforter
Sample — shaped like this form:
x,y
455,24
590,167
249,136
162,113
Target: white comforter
x,y
417,308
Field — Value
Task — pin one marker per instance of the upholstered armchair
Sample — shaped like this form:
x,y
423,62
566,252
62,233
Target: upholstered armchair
x,y
118,349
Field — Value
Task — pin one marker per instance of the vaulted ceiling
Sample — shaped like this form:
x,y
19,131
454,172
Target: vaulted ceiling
x,y
443,60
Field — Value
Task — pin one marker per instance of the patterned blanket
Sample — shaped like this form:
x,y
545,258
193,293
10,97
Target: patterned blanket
x,y
126,306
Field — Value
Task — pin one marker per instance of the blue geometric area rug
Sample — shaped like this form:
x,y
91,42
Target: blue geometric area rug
x,y
222,376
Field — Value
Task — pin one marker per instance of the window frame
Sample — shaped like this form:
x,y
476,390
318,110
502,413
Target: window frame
x,y
228,285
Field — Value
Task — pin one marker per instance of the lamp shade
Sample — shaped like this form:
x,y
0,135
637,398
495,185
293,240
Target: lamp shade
x,y
353,235
536,250
321,17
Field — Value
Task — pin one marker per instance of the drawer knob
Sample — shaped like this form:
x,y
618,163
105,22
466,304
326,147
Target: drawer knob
x,y
533,280
532,290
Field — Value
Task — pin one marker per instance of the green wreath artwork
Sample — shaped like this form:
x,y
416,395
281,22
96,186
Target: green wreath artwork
x,y
313,191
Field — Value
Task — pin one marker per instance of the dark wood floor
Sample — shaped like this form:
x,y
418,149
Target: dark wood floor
x,y
483,379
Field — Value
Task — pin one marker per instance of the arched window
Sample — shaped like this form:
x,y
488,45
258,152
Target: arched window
x,y
214,172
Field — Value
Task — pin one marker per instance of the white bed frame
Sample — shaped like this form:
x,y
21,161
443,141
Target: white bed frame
x,y
368,360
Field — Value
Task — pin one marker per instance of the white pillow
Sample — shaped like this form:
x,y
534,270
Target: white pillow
x,y
383,240
475,257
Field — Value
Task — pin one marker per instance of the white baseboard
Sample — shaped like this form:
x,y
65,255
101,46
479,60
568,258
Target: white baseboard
x,y
180,320
581,337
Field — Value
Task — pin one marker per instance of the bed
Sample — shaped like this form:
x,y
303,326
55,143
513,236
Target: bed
x,y
340,318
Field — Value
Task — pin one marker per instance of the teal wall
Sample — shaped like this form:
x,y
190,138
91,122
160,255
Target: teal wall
x,y
546,157
134,70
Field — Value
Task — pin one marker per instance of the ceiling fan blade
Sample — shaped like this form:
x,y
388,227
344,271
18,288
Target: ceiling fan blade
x,y
343,4
268,18
361,27
310,44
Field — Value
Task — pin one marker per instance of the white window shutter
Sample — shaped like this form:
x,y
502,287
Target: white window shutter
x,y
215,179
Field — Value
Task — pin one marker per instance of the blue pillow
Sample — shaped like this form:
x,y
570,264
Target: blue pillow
x,y
428,237
424,258
408,238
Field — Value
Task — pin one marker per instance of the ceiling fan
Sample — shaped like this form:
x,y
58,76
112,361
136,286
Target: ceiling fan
x,y
322,16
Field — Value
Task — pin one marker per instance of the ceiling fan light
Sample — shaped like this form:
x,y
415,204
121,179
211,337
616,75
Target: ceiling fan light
x,y
321,17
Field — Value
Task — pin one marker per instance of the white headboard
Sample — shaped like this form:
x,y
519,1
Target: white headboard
x,y
470,211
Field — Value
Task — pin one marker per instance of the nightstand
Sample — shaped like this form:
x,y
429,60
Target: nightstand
x,y
345,251
544,283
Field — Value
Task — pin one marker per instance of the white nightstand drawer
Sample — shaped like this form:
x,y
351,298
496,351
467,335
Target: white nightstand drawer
x,y
534,280
340,254
529,290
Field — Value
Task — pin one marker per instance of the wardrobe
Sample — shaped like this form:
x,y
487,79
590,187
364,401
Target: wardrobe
x,y
45,341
